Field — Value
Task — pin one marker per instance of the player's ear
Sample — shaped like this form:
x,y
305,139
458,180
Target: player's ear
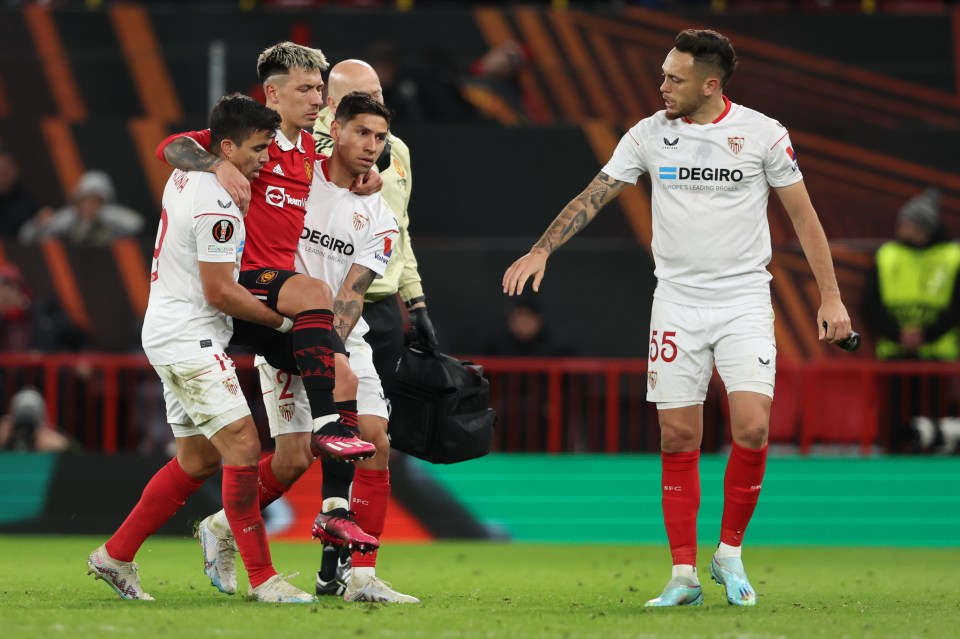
x,y
227,149
335,131
711,85
270,93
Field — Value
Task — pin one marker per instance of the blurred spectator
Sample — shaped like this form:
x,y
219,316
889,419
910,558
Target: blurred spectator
x,y
526,333
914,297
493,85
33,325
91,218
419,85
16,205
25,428
914,310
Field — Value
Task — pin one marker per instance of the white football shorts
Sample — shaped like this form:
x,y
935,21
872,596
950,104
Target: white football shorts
x,y
202,395
285,399
686,342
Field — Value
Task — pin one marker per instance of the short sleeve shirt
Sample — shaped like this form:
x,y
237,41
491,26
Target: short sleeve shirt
x,y
341,229
199,223
710,184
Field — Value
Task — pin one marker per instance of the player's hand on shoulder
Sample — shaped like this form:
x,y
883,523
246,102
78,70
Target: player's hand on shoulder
x,y
533,264
368,183
235,183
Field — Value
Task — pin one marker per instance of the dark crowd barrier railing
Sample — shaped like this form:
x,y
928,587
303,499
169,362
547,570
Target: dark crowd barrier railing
x,y
113,403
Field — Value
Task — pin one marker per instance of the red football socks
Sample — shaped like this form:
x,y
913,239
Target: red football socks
x,y
681,502
270,488
163,496
243,512
741,490
368,500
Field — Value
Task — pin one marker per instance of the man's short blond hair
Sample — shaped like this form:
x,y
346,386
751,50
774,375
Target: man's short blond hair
x,y
281,57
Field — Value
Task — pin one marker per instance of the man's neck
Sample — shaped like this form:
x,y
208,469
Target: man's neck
x,y
710,111
338,172
291,132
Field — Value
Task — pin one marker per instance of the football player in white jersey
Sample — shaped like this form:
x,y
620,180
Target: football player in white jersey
x,y
347,241
194,293
712,164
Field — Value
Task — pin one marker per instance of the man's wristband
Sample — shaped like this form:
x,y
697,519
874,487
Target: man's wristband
x,y
415,300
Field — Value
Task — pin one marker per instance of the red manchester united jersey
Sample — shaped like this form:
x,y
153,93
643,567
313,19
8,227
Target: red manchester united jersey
x,y
277,200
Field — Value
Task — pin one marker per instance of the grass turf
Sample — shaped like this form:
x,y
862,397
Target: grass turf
x,y
488,590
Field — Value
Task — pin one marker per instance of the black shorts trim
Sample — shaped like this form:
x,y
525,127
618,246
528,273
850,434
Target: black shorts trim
x,y
265,283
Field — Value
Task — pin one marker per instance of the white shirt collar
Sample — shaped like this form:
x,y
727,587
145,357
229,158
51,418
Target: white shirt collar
x,y
285,144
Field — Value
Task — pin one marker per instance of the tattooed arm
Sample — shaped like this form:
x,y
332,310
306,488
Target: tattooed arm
x,y
572,219
349,301
186,154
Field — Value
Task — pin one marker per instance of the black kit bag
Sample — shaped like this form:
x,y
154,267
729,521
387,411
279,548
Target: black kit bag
x,y
440,408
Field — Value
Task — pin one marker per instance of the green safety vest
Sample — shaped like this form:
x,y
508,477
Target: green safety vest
x,y
915,286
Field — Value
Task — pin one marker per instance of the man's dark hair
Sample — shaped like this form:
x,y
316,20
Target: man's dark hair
x,y
709,48
359,103
236,117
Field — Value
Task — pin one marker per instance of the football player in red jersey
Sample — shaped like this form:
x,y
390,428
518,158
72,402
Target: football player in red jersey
x,y
292,82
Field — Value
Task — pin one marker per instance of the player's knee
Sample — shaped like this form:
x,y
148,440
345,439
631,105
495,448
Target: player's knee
x,y
313,294
752,435
679,438
246,448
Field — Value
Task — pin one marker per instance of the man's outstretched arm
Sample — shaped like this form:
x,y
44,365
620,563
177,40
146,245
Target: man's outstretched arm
x,y
572,219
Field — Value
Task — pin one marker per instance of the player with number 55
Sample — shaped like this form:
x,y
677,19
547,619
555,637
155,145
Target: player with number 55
x,y
712,164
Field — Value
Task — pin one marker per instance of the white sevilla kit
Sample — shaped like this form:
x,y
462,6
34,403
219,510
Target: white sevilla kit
x,y
710,183
199,222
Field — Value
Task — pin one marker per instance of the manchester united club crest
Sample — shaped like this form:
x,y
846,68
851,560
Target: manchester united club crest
x,y
308,168
651,380
396,165
735,144
286,411
232,385
359,221
266,277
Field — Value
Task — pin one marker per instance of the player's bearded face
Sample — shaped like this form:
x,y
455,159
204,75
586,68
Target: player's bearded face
x,y
360,142
682,87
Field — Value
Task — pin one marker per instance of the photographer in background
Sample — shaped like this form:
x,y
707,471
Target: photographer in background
x,y
25,428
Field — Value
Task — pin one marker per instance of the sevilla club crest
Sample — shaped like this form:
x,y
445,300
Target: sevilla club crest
x,y
735,144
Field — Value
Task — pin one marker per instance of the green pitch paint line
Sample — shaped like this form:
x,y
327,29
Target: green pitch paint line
x,y
882,501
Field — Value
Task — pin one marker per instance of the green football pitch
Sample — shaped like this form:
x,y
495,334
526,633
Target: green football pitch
x,y
489,590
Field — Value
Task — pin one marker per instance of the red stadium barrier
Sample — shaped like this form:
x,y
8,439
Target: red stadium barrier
x,y
114,403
